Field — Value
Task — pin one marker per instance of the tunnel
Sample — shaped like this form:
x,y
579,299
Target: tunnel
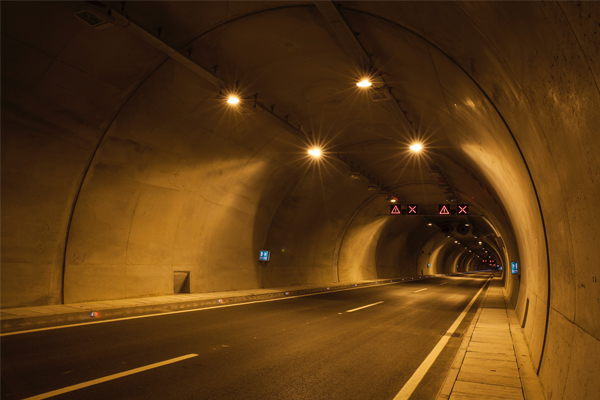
x,y
148,142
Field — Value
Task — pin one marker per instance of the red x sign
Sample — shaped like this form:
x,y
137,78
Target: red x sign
x,y
463,209
413,209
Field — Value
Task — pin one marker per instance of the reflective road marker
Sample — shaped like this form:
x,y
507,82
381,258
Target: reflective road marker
x,y
49,328
360,308
416,378
108,378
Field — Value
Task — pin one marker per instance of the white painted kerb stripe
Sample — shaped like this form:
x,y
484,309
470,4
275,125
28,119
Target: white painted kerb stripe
x,y
360,308
192,309
108,378
420,290
416,378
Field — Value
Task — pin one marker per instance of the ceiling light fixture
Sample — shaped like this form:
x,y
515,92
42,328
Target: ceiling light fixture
x,y
416,147
233,99
364,83
315,152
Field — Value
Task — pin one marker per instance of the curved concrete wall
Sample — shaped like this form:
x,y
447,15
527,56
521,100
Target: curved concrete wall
x,y
188,186
121,166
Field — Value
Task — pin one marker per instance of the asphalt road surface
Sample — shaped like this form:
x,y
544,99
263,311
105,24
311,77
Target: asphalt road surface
x,y
307,347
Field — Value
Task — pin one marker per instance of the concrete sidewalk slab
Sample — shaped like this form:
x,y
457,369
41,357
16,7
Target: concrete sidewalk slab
x,y
487,365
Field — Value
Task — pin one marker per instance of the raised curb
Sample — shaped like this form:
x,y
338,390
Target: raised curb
x,y
77,313
450,379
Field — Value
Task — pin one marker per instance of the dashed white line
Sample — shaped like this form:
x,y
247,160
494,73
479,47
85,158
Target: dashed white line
x,y
191,309
109,378
360,308
49,328
420,290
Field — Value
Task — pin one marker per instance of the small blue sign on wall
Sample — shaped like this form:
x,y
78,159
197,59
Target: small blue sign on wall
x,y
514,267
265,255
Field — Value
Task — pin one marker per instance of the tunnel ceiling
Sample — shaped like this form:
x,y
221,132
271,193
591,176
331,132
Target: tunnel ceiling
x,y
292,59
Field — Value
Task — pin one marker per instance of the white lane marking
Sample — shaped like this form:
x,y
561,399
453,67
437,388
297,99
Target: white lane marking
x,y
360,308
420,290
109,378
190,310
443,283
416,378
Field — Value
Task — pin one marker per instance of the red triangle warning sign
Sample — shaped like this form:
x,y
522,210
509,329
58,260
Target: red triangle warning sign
x,y
395,210
444,210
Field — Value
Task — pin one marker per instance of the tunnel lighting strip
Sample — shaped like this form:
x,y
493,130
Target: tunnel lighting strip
x,y
419,374
109,378
357,51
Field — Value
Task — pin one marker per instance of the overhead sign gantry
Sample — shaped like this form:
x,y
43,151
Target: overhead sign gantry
x,y
411,209
461,209
443,209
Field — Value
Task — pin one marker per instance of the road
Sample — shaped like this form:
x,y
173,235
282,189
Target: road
x,y
307,347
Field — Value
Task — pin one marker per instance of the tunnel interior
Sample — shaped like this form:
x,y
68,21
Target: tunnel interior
x,y
124,165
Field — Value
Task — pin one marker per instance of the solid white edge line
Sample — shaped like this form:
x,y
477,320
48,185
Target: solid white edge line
x,y
420,290
360,308
191,310
49,328
415,379
108,378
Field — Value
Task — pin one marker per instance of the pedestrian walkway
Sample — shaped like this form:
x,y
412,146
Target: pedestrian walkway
x,y
493,361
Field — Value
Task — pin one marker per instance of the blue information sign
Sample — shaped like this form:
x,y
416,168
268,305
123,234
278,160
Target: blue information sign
x,y
264,255
514,267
